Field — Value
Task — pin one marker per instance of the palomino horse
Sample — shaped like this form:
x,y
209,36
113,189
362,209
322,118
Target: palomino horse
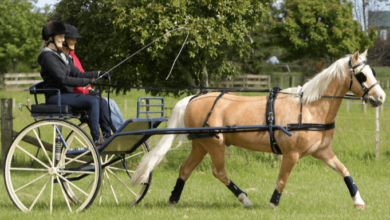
x,y
232,109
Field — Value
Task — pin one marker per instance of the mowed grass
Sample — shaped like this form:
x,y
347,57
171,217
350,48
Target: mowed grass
x,y
313,191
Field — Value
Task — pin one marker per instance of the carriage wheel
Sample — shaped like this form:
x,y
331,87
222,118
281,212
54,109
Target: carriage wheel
x,y
116,179
116,176
37,186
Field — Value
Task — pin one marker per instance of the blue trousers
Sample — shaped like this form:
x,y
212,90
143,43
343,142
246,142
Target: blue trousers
x,y
116,115
92,105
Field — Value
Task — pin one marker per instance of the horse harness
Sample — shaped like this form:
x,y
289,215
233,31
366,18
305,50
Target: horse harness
x,y
269,118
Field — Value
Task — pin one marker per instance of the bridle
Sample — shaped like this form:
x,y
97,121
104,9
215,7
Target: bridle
x,y
361,78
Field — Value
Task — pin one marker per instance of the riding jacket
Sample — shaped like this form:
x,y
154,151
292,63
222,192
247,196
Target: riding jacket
x,y
59,72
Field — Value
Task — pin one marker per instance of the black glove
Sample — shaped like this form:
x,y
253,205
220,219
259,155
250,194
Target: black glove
x,y
101,73
92,81
94,92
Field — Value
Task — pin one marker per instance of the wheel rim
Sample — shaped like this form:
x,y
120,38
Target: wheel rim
x,y
37,187
116,185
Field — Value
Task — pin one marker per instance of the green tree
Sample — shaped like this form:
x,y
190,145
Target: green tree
x,y
20,32
112,30
317,29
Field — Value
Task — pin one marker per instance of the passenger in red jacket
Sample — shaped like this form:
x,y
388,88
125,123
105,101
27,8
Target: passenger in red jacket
x,y
68,48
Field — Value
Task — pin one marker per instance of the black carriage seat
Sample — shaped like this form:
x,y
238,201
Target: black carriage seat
x,y
44,110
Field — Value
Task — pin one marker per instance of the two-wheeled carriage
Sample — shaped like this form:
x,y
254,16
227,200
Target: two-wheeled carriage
x,y
71,160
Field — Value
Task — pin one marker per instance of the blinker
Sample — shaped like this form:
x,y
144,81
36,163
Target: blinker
x,y
361,77
373,72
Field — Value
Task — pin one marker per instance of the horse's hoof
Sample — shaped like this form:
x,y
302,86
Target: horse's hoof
x,y
246,203
273,206
361,207
171,204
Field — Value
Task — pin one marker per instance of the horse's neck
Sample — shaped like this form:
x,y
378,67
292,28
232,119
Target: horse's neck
x,y
330,106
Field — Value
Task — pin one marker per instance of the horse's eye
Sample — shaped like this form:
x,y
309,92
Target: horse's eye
x,y
373,72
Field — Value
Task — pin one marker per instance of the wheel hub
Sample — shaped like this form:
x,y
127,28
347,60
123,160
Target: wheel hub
x,y
53,171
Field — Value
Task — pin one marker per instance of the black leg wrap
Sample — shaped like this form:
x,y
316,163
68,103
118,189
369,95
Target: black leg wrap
x,y
176,193
237,191
276,197
351,186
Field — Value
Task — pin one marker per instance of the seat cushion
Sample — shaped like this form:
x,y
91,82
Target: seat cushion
x,y
50,108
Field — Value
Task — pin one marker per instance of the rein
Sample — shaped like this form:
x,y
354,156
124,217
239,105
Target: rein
x,y
186,88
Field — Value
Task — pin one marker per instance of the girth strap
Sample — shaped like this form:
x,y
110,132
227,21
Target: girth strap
x,y
270,118
310,127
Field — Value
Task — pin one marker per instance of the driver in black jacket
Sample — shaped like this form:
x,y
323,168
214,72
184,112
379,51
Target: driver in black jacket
x,y
59,72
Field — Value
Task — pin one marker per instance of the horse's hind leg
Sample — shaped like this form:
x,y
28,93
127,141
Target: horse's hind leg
x,y
196,156
327,155
218,158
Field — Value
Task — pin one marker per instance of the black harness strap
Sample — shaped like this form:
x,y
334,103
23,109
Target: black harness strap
x,y
300,113
206,122
192,136
199,94
310,127
269,115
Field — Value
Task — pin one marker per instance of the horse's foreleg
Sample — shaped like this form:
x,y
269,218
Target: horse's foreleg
x,y
196,156
331,160
288,163
218,159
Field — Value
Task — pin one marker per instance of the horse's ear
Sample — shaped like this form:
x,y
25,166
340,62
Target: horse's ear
x,y
355,58
364,54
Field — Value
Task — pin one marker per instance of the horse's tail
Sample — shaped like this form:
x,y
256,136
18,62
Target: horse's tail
x,y
154,157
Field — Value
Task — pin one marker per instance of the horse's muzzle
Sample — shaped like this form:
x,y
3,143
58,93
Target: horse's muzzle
x,y
375,103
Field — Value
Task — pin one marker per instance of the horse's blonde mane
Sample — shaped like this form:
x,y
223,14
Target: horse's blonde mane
x,y
316,87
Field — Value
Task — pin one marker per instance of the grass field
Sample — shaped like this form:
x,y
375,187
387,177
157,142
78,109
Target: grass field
x,y
313,191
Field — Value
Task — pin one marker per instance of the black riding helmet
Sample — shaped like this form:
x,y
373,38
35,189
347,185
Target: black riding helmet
x,y
72,33
51,29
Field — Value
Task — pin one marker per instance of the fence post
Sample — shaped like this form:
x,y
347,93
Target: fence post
x,y
291,81
382,108
347,106
269,82
6,127
281,82
387,84
364,107
377,133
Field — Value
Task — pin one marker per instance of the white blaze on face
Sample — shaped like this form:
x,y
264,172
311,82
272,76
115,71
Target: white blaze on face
x,y
379,94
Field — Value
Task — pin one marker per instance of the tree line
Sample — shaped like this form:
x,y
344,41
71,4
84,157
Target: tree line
x,y
225,38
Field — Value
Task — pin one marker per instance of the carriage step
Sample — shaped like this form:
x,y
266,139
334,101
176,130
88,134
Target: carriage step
x,y
77,149
86,168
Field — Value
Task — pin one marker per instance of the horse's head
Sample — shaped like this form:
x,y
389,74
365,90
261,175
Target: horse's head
x,y
363,82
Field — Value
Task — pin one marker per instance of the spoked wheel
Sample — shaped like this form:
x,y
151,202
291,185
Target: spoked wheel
x,y
117,171
117,178
32,181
